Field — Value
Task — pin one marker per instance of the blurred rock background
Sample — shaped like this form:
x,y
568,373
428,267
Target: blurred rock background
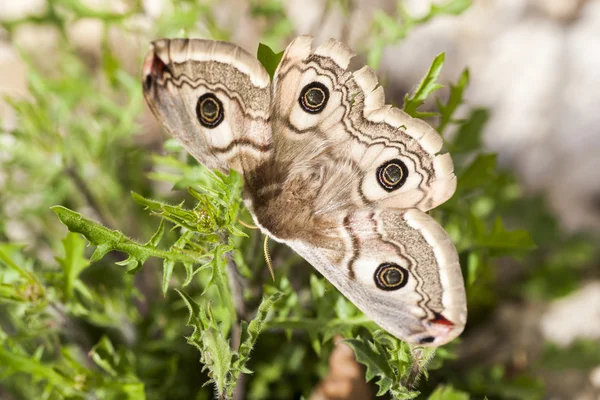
x,y
535,64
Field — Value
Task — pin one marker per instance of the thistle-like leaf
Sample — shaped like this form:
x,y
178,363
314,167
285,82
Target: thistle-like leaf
x,y
427,86
454,101
208,337
73,262
155,239
107,240
251,331
377,365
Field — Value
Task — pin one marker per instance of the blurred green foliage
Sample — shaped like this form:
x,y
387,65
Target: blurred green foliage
x,y
75,324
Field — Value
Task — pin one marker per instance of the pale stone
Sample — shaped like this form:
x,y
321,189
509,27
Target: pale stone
x,y
17,9
87,35
595,377
560,9
154,8
574,317
13,84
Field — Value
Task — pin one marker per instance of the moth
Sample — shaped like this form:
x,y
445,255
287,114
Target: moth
x,y
329,169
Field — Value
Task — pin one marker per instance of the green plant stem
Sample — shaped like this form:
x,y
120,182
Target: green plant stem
x,y
97,233
417,367
236,287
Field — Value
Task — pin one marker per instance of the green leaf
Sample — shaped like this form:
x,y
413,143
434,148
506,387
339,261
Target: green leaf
x,y
134,391
452,7
117,365
454,101
33,367
208,337
427,86
188,219
256,326
389,28
28,288
73,262
194,319
479,173
109,240
168,267
250,333
392,362
155,239
474,262
103,354
317,287
443,392
268,58
503,241
468,137
101,250
377,365
581,355
219,278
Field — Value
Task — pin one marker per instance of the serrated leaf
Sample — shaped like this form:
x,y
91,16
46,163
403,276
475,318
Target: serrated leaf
x,y
193,309
249,335
235,231
74,262
208,337
173,213
155,239
455,99
189,274
108,239
376,363
268,58
219,278
217,356
169,265
427,86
